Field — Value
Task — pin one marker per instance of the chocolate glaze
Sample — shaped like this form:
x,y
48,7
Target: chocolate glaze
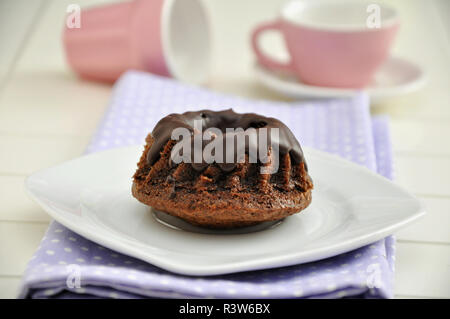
x,y
287,143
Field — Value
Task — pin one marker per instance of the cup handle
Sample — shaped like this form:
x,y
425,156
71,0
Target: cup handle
x,y
263,58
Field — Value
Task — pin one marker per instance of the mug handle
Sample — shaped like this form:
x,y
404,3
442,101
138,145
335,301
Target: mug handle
x,y
263,58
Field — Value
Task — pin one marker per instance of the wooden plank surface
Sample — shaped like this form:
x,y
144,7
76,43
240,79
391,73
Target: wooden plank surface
x,y
14,31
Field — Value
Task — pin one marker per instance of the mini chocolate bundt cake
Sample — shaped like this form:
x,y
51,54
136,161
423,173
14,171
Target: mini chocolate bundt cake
x,y
214,194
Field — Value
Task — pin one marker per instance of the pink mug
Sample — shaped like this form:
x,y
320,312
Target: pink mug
x,y
332,43
165,37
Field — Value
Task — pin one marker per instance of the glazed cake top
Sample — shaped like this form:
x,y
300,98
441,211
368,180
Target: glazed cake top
x,y
223,120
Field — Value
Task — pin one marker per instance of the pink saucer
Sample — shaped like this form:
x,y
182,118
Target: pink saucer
x,y
397,76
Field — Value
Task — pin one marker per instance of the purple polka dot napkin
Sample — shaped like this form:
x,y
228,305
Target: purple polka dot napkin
x,y
67,265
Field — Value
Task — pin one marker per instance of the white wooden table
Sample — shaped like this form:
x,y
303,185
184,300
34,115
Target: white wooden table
x,y
47,116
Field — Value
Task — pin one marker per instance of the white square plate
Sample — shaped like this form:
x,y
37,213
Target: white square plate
x,y
351,207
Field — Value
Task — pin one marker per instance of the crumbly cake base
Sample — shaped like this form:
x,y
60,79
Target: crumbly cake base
x,y
214,199
222,209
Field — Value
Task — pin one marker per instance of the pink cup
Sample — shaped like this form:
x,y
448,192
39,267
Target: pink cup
x,y
332,43
165,37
